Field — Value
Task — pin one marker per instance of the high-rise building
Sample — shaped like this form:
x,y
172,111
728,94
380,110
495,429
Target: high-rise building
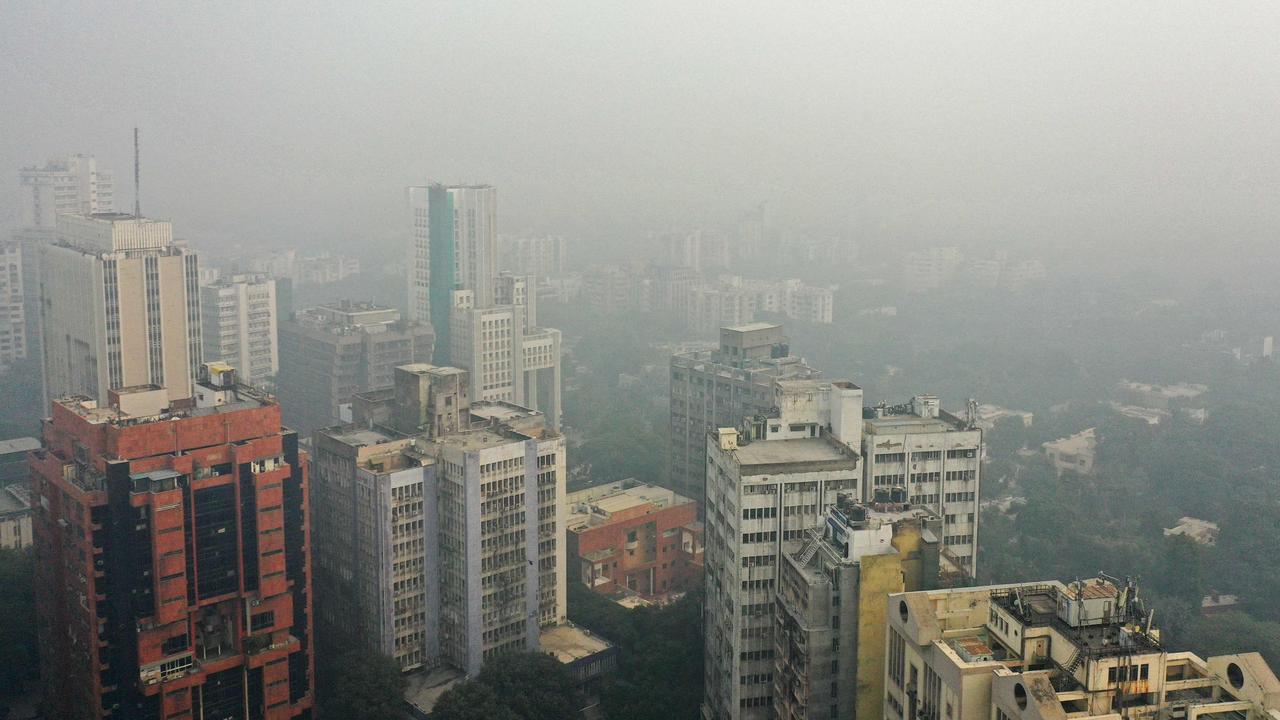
x,y
829,626
68,185
120,308
767,485
455,247
328,353
173,557
936,458
718,388
240,325
508,356
440,524
542,257
1033,651
13,304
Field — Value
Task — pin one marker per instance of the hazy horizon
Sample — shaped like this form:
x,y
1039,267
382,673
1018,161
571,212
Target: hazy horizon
x,y
1098,128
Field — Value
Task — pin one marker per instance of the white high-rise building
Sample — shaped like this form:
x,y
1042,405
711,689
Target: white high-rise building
x,y
66,185
767,485
455,247
120,308
542,257
936,458
13,324
239,318
439,524
509,357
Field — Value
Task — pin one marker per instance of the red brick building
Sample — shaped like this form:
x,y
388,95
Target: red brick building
x,y
173,558
637,538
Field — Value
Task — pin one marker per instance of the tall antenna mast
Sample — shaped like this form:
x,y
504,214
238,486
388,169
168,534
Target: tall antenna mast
x,y
137,175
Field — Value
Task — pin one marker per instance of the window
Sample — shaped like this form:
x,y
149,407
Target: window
x,y
262,621
174,645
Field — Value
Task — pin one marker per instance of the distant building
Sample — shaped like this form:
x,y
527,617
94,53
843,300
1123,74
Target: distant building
x,y
1076,453
72,184
240,325
989,415
1200,531
931,268
508,356
174,578
328,353
455,247
639,538
1159,397
829,629
542,257
120,308
13,304
13,459
15,517
768,485
720,388
936,459
1042,650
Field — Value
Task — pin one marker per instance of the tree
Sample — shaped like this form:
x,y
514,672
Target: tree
x,y
365,686
19,657
471,700
534,686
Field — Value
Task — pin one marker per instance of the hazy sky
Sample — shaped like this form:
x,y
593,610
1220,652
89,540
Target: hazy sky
x,y
1081,124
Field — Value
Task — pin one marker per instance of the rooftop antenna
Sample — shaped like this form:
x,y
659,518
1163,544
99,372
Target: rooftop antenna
x,y
137,174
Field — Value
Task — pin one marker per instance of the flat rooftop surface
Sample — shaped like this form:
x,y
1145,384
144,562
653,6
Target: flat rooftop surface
x,y
775,452
22,444
500,410
10,502
358,436
908,424
423,689
749,327
570,642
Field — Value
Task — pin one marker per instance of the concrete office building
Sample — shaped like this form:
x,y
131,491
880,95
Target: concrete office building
x,y
173,577
120,308
439,523
718,388
829,625
455,247
1074,453
15,517
1038,651
240,325
13,304
508,356
767,485
73,185
328,353
936,458
13,459
542,257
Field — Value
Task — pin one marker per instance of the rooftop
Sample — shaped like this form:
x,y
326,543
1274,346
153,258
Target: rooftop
x,y
14,499
356,435
423,689
500,410
907,424
783,452
239,398
594,506
569,643
16,445
751,327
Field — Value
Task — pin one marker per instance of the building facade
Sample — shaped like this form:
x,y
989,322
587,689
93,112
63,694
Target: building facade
x,y
173,557
329,353
240,325
1087,649
455,247
718,388
542,257
13,304
440,523
639,539
120,307
15,517
936,458
829,626
508,357
767,487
